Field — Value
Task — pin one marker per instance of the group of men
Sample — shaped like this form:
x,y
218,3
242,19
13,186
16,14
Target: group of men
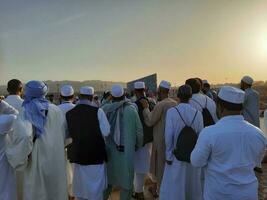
x,y
203,146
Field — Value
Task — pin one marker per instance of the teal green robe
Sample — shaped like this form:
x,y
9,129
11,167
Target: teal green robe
x,y
120,165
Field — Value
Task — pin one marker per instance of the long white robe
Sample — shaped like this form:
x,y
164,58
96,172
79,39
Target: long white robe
x,y
201,99
65,107
251,107
45,170
142,157
16,101
181,181
90,181
7,177
229,150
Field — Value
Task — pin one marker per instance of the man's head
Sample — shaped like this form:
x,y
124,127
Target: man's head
x,y
67,93
230,101
184,93
139,89
194,84
246,82
117,93
35,89
106,94
86,93
205,86
200,82
15,87
163,90
96,98
35,105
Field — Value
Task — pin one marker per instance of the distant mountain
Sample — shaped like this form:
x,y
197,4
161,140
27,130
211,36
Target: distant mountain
x,y
54,86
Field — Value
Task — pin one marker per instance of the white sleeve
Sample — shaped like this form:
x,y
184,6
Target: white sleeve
x,y
6,123
21,144
5,108
103,122
202,150
169,136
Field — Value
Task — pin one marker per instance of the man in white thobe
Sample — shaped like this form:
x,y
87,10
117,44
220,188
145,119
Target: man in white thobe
x,y
7,177
208,91
67,98
200,101
142,155
251,105
181,181
157,118
87,126
37,146
230,150
15,90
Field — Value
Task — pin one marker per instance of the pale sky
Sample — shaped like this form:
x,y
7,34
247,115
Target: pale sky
x,y
121,40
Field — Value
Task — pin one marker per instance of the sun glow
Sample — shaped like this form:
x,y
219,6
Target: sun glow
x,y
263,45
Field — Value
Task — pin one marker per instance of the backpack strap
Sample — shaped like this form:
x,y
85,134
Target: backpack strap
x,y
180,115
194,118
206,104
183,118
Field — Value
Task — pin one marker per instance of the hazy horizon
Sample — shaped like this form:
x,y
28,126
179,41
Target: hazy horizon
x,y
118,40
158,81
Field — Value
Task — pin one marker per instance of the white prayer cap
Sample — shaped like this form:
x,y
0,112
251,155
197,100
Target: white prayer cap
x,y
87,90
231,95
117,90
248,80
6,123
66,91
139,85
204,82
165,84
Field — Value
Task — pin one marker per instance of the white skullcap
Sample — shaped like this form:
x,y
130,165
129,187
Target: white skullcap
x,y
87,90
139,85
66,91
165,84
232,95
204,81
248,80
117,90
6,123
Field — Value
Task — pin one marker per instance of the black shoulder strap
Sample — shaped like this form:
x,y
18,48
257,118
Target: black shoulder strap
x,y
197,103
206,104
194,118
180,115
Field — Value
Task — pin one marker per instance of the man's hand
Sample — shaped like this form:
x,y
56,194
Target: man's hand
x,y
144,103
169,162
1,98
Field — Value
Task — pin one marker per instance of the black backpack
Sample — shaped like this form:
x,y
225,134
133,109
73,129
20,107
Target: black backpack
x,y
186,141
207,118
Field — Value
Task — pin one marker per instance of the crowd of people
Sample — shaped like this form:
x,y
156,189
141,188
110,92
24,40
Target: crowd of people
x,y
204,144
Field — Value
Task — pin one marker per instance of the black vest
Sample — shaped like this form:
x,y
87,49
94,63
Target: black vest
x,y
148,131
88,146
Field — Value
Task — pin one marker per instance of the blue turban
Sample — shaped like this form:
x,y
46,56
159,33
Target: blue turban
x,y
36,105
